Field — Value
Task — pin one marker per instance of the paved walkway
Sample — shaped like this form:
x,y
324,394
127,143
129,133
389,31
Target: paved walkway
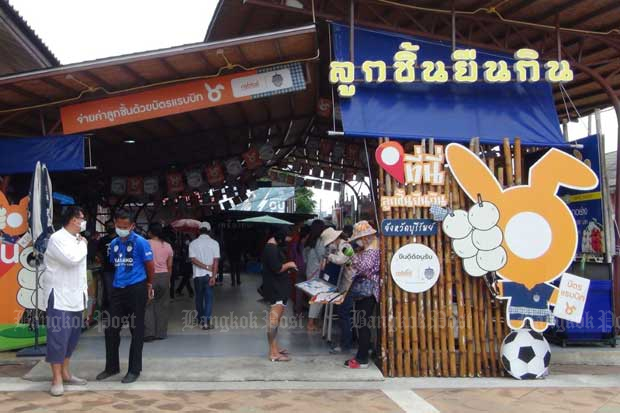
x,y
236,350
194,370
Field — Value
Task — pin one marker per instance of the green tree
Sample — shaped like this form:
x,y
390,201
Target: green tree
x,y
304,201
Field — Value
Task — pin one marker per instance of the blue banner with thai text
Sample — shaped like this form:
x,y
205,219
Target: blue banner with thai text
x,y
408,227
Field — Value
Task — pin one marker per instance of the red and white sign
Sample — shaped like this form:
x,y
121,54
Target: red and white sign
x,y
390,156
175,182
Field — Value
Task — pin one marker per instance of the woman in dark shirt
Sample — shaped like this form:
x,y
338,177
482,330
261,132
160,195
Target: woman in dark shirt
x,y
276,288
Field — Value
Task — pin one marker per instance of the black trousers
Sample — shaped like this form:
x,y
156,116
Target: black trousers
x,y
363,319
126,305
108,279
186,280
235,270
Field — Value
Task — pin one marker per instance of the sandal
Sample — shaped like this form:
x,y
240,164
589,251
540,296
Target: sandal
x,y
280,358
284,352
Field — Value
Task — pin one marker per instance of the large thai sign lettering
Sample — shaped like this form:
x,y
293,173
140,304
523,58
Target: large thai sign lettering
x,y
182,97
464,69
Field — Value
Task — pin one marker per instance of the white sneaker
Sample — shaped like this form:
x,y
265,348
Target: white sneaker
x,y
57,390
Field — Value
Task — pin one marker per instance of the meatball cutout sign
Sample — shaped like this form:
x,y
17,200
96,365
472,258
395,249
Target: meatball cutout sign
x,y
525,234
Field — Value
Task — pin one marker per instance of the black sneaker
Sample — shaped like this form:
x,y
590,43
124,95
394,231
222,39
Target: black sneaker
x,y
106,374
130,378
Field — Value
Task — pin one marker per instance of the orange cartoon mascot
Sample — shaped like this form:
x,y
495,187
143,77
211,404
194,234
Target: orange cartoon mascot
x,y
525,234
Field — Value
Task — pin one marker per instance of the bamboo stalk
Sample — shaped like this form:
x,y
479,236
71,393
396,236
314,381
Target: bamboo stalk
x,y
508,162
518,162
398,313
383,307
476,327
390,290
405,323
440,314
500,176
489,311
449,299
460,300
413,312
485,371
434,319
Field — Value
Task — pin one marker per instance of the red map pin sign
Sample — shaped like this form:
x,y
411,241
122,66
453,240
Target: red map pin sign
x,y
390,156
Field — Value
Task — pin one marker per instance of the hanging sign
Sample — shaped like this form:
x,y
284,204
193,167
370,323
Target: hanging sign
x,y
182,97
415,268
325,148
324,108
135,186
266,152
572,298
408,227
233,167
118,185
175,182
215,174
464,69
194,178
252,159
151,185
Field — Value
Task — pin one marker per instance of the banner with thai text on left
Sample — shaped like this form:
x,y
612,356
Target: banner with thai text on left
x,y
183,97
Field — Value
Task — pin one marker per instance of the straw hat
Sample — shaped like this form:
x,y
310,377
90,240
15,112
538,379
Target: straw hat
x,y
362,229
329,235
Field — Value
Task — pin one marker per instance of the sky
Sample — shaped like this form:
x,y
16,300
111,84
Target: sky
x,y
80,30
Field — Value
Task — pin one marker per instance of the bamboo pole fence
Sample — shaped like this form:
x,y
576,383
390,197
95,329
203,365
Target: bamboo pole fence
x,y
456,328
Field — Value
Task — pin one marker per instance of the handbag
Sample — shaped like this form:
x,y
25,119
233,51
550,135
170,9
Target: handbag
x,y
362,287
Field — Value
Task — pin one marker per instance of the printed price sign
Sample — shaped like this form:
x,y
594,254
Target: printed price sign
x,y
572,297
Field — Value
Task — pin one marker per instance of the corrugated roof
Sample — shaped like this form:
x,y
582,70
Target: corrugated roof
x,y
523,23
16,55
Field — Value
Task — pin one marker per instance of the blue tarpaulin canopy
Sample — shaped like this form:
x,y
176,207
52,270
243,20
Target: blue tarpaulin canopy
x,y
450,111
59,153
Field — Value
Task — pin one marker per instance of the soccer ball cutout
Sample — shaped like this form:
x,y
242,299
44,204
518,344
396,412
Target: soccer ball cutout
x,y
526,355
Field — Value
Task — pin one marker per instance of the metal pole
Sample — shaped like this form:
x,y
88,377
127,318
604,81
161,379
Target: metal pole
x,y
607,216
565,129
453,28
352,32
616,261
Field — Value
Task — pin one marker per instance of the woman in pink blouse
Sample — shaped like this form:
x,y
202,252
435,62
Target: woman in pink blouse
x,y
156,317
365,289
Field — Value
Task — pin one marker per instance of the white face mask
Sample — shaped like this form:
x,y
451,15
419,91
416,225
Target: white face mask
x,y
123,233
82,226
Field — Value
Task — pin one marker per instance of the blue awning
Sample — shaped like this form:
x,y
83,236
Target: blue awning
x,y
59,153
454,112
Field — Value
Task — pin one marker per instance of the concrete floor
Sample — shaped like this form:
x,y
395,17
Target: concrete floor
x,y
236,350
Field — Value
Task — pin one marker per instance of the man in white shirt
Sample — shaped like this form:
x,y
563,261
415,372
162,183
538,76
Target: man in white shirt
x,y
65,291
204,252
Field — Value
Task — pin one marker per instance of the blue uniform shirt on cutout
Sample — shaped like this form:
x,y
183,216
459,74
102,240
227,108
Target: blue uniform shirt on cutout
x,y
538,297
129,258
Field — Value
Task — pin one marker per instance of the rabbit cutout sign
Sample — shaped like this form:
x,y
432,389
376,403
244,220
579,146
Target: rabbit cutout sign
x,y
537,229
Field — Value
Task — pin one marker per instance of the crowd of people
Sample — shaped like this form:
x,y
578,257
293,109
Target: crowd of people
x,y
139,281
349,259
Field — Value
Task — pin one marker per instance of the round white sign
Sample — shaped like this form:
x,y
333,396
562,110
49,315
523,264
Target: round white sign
x,y
415,268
